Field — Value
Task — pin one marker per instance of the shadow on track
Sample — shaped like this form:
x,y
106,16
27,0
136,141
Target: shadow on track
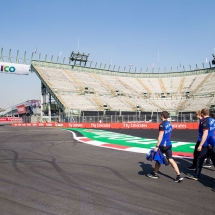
x,y
204,179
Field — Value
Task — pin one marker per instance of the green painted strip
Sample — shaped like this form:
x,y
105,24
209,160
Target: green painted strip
x,y
130,141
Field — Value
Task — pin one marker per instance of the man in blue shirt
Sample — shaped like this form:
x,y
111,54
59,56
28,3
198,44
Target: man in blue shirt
x,y
165,146
207,145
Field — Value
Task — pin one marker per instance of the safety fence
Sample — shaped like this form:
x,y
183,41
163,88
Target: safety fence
x,y
150,117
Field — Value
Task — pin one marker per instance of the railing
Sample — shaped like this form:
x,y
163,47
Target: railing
x,y
181,117
129,118
123,73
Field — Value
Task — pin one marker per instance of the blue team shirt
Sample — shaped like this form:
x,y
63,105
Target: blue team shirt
x,y
209,124
167,128
200,129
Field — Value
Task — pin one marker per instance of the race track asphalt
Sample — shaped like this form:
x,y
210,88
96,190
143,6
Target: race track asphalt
x,y
45,171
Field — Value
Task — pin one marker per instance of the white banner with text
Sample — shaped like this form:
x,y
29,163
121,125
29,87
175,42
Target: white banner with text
x,y
14,68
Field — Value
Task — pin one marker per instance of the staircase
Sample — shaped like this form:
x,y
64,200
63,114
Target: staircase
x,y
126,85
202,82
182,105
131,104
155,104
99,103
181,84
144,86
104,83
162,85
74,79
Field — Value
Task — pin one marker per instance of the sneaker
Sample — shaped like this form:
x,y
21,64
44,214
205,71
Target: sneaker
x,y
213,189
207,165
192,177
178,178
190,168
152,175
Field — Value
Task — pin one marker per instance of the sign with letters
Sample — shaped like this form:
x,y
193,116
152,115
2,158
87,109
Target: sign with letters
x,y
14,68
21,109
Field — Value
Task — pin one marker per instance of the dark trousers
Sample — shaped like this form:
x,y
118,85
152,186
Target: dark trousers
x,y
195,154
204,153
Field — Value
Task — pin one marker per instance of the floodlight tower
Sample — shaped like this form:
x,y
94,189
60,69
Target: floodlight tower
x,y
213,61
78,57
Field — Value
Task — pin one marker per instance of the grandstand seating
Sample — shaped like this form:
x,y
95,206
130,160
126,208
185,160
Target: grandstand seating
x,y
57,79
75,101
194,104
171,84
209,85
116,103
89,90
152,84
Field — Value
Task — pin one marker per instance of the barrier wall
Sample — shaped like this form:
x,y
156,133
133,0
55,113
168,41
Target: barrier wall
x,y
109,125
10,120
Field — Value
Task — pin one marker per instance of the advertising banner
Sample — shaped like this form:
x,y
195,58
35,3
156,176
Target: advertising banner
x,y
11,119
14,68
109,125
21,109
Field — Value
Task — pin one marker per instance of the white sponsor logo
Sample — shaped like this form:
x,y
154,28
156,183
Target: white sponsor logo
x,y
97,125
179,125
58,125
48,124
21,109
79,125
212,128
134,125
168,131
76,125
212,121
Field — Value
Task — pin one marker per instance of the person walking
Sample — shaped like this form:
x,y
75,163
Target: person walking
x,y
200,131
165,146
206,147
207,163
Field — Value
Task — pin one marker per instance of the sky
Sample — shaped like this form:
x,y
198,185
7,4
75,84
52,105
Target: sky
x,y
163,33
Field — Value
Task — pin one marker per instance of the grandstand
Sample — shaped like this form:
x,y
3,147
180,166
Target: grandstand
x,y
90,89
77,90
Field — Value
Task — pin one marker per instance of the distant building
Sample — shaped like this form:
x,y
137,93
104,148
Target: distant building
x,y
30,111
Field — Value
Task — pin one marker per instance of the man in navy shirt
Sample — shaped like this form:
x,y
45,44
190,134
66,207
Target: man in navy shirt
x,y
200,131
165,146
207,145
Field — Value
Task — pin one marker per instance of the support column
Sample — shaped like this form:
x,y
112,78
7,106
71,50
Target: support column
x,y
41,103
59,115
43,99
49,108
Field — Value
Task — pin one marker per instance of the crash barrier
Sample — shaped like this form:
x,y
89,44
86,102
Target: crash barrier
x,y
10,120
128,125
